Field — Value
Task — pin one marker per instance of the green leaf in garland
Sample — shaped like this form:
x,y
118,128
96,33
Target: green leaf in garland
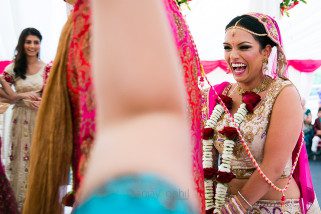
x,y
287,13
180,2
285,5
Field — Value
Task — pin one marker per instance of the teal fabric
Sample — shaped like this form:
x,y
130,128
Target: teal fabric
x,y
141,194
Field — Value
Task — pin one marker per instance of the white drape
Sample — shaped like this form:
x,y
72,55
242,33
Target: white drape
x,y
301,32
48,16
208,18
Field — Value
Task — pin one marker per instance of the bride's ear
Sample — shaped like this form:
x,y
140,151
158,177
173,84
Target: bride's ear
x,y
267,51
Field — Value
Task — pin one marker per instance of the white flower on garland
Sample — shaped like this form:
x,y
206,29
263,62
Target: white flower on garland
x,y
249,100
225,166
208,156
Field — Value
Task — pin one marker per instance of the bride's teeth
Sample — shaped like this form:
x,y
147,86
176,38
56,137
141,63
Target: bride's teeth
x,y
236,65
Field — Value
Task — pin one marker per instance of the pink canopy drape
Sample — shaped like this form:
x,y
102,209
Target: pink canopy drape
x,y
3,65
305,66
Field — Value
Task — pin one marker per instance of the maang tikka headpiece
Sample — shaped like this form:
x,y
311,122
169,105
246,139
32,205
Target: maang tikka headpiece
x,y
242,28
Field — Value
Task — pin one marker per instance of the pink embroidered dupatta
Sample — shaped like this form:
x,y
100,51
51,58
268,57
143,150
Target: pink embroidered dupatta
x,y
301,174
192,67
80,89
302,177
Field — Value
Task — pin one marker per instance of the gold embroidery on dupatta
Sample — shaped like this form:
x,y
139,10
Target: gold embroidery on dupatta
x,y
181,32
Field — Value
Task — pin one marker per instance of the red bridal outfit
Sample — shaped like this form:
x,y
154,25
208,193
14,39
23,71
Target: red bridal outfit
x,y
191,68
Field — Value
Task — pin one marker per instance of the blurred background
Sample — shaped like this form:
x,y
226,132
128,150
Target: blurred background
x,y
300,28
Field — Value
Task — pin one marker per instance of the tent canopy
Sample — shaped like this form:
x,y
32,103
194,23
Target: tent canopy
x,y
301,32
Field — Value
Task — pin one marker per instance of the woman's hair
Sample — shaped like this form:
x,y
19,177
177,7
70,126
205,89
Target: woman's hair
x,y
20,59
255,26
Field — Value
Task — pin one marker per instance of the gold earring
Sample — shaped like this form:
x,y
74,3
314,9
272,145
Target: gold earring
x,y
265,60
265,65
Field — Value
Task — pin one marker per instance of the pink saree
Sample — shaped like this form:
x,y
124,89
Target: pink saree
x,y
192,67
80,88
81,91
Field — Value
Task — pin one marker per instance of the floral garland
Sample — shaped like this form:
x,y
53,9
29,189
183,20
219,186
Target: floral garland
x,y
286,5
224,174
210,173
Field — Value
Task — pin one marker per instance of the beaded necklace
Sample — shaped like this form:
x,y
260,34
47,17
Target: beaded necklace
x,y
262,87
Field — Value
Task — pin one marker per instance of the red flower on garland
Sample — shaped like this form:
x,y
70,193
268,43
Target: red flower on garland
x,y
287,5
208,133
224,177
9,78
227,101
210,173
69,199
251,99
230,132
210,211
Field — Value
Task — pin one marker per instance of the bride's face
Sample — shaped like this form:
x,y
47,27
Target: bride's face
x,y
243,55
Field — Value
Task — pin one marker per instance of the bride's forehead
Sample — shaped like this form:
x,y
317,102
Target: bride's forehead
x,y
238,35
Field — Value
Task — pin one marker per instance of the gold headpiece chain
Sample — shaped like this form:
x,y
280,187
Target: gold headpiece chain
x,y
242,28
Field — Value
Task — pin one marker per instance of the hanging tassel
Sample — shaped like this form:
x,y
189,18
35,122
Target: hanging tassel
x,y
69,199
283,201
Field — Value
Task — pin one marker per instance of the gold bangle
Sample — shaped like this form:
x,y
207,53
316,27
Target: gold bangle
x,y
240,204
238,192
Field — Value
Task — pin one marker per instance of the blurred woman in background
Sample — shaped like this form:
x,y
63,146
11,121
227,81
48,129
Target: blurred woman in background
x,y
27,74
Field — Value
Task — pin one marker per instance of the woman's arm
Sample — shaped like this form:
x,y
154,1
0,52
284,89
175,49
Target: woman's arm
x,y
4,98
7,91
284,130
11,96
141,120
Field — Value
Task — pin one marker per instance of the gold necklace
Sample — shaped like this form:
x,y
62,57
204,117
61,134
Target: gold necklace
x,y
262,87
